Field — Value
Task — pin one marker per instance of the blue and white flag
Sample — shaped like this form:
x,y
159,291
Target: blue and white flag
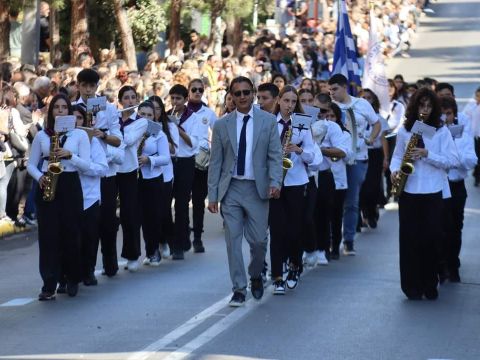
x,y
345,55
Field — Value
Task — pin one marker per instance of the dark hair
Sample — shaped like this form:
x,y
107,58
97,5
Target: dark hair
x,y
399,77
392,84
124,89
148,104
448,102
323,98
278,75
82,111
270,87
298,105
88,76
50,124
179,89
338,114
163,118
240,79
305,91
444,85
338,79
411,114
195,81
376,102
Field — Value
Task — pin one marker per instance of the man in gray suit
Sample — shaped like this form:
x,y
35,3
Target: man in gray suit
x,y
245,171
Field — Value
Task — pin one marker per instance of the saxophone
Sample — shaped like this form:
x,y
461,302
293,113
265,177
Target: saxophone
x,y
54,169
406,168
287,163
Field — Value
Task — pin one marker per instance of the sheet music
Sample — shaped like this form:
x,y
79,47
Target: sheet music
x,y
301,121
153,128
456,131
423,129
64,123
96,104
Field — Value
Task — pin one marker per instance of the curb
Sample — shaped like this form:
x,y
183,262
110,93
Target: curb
x,y
8,228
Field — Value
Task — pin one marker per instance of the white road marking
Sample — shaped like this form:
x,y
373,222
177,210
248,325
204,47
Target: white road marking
x,y
18,302
179,331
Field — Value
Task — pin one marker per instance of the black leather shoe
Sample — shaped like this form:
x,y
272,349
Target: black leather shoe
x,y
178,255
257,288
72,289
431,294
454,276
237,300
46,296
62,288
90,280
198,247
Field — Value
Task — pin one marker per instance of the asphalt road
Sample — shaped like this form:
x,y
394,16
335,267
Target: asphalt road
x,y
351,309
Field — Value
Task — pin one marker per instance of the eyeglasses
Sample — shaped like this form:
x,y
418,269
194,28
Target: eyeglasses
x,y
240,92
194,90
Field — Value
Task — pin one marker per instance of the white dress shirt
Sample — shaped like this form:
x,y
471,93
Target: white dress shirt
x,y
115,156
377,143
77,143
90,179
298,175
168,168
430,172
364,114
156,148
472,111
339,168
332,137
466,155
132,135
207,117
395,116
195,130
248,174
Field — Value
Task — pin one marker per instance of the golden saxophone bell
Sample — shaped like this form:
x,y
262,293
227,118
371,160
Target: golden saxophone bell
x,y
287,164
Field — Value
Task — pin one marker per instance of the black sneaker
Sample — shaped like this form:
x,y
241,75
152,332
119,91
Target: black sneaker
x,y
46,296
90,280
62,288
187,246
155,259
454,276
292,278
237,300
72,289
257,288
431,294
198,247
348,249
279,287
20,223
334,254
178,255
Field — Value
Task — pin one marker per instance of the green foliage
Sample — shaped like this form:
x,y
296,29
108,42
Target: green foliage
x,y
147,19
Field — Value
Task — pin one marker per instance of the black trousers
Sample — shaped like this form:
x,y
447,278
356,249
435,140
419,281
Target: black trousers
x,y
59,232
419,241
309,231
391,147
18,189
371,188
129,214
324,209
476,171
167,227
286,220
183,169
454,209
90,224
109,224
150,196
337,217
199,194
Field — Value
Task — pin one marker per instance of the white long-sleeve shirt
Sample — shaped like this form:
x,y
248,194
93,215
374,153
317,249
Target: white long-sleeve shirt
x,y
167,170
156,148
339,168
194,128
430,172
132,135
332,138
466,156
77,143
90,179
207,118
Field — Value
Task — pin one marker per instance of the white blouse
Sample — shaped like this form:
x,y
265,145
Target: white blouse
x,y
132,135
156,148
430,172
168,169
339,168
76,142
90,179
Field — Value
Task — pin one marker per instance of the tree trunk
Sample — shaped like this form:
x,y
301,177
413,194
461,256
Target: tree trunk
x,y
217,8
174,32
30,32
78,29
4,31
234,33
55,55
128,46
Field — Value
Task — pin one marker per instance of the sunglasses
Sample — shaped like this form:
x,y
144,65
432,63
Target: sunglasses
x,y
200,90
240,92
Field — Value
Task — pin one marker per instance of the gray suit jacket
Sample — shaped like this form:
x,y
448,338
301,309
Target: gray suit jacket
x,y
266,154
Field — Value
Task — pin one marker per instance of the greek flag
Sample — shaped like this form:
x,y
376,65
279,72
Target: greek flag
x,y
345,55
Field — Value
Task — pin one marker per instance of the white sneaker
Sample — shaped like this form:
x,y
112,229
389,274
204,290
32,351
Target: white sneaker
x,y
321,258
146,261
310,259
132,265
164,250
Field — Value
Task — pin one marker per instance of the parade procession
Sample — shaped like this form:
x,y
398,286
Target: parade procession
x,y
221,180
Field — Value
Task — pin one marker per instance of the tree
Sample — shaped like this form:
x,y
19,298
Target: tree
x,y
4,29
79,29
128,46
147,19
174,32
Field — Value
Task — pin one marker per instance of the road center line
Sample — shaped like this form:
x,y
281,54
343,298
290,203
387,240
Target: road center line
x,y
17,302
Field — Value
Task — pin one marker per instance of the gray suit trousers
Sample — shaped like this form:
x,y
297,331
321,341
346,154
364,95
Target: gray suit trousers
x,y
244,213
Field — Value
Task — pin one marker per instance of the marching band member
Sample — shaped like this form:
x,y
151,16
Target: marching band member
x,y
153,155
107,130
454,206
286,212
171,131
133,129
90,220
420,203
59,220
207,117
191,133
359,113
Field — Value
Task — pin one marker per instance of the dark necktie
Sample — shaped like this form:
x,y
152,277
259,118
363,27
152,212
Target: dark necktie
x,y
285,124
242,147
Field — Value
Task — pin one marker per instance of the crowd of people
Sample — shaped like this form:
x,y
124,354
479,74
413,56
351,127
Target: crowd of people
x,y
179,130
